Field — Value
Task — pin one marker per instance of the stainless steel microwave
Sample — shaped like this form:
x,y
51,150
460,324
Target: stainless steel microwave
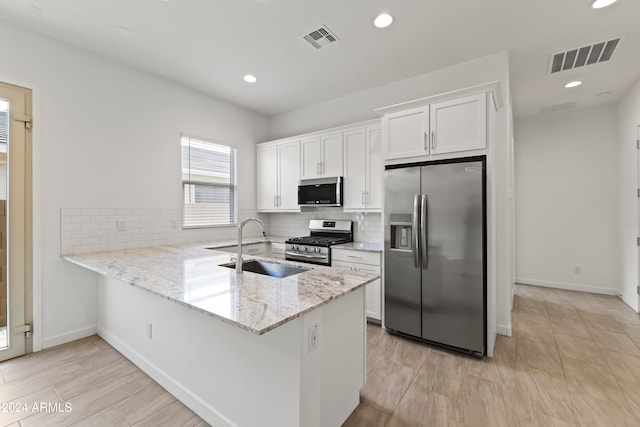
x,y
320,194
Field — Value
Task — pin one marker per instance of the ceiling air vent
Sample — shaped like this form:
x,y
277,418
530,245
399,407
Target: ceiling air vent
x,y
585,55
320,37
554,108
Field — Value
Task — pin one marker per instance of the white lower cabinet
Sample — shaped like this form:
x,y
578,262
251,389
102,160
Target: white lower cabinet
x,y
368,262
277,250
259,249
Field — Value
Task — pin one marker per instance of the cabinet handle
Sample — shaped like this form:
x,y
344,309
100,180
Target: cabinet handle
x,y
362,197
426,144
318,168
433,140
354,256
322,168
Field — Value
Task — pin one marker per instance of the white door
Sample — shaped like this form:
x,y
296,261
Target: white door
x,y
459,125
310,158
15,205
354,185
375,169
289,172
331,161
267,178
405,133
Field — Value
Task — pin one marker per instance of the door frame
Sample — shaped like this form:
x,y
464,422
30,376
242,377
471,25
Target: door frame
x,y
34,295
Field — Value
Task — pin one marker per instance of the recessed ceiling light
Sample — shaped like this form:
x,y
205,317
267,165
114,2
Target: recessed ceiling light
x,y
250,78
123,31
574,83
383,20
599,4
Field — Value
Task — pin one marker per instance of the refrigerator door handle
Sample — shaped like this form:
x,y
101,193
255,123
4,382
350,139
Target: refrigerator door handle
x,y
415,247
424,237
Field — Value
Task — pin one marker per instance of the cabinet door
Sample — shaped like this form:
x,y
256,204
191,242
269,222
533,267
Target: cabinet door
x,y
459,125
310,158
277,250
354,185
289,173
331,162
405,133
267,178
374,169
372,293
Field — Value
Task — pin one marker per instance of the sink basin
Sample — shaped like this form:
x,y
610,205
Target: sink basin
x,y
267,268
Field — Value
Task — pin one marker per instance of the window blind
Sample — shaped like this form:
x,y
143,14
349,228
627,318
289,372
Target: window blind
x,y
208,183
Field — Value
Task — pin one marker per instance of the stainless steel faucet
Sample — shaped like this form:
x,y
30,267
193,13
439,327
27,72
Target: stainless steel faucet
x,y
240,227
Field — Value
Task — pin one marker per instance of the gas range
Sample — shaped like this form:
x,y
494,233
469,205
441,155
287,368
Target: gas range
x,y
316,248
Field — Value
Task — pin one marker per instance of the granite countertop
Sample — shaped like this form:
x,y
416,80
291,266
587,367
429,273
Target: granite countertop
x,y
247,241
191,275
360,246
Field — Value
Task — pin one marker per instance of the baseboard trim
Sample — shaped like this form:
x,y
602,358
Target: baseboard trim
x,y
504,330
568,286
68,337
184,395
632,304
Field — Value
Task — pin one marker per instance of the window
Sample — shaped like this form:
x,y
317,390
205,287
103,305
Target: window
x,y
208,183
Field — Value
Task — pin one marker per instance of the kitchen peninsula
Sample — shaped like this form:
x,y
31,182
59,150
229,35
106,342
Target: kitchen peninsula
x,y
239,349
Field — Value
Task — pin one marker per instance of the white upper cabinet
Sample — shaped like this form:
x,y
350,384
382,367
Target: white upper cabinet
x,y
450,126
267,177
363,169
375,168
278,175
289,173
459,125
406,133
321,156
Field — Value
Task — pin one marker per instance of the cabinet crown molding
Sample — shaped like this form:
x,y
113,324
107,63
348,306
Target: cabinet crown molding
x,y
343,128
493,88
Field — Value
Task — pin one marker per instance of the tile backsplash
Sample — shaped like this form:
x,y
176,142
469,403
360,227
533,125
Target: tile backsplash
x,y
93,230
367,227
101,229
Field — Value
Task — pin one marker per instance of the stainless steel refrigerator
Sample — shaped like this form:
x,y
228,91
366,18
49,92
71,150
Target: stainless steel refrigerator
x,y
435,252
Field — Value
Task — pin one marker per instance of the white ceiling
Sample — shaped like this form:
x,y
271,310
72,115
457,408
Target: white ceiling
x,y
209,45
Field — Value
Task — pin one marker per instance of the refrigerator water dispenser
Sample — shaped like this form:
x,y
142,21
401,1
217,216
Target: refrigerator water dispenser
x,y
401,236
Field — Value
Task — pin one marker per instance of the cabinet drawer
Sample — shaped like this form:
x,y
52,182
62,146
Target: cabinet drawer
x,y
360,257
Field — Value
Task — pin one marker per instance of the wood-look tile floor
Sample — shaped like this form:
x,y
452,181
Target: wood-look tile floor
x,y
573,360
102,387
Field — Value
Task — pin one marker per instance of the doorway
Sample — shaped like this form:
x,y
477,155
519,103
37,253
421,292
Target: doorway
x,y
15,220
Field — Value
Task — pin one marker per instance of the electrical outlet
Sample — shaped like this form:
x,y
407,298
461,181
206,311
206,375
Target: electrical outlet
x,y
149,330
577,270
313,338
121,226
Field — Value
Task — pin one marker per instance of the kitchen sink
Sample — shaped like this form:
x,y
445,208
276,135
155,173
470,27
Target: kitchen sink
x,y
267,268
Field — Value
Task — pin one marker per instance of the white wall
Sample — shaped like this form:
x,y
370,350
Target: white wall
x,y
627,125
566,173
107,136
360,106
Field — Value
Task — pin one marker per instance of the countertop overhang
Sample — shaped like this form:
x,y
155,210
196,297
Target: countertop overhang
x,y
192,275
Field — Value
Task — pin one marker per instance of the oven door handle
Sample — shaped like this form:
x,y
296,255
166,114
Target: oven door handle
x,y
303,255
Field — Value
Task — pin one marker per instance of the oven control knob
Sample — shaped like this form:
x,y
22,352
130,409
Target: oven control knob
x,y
294,248
306,248
317,250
